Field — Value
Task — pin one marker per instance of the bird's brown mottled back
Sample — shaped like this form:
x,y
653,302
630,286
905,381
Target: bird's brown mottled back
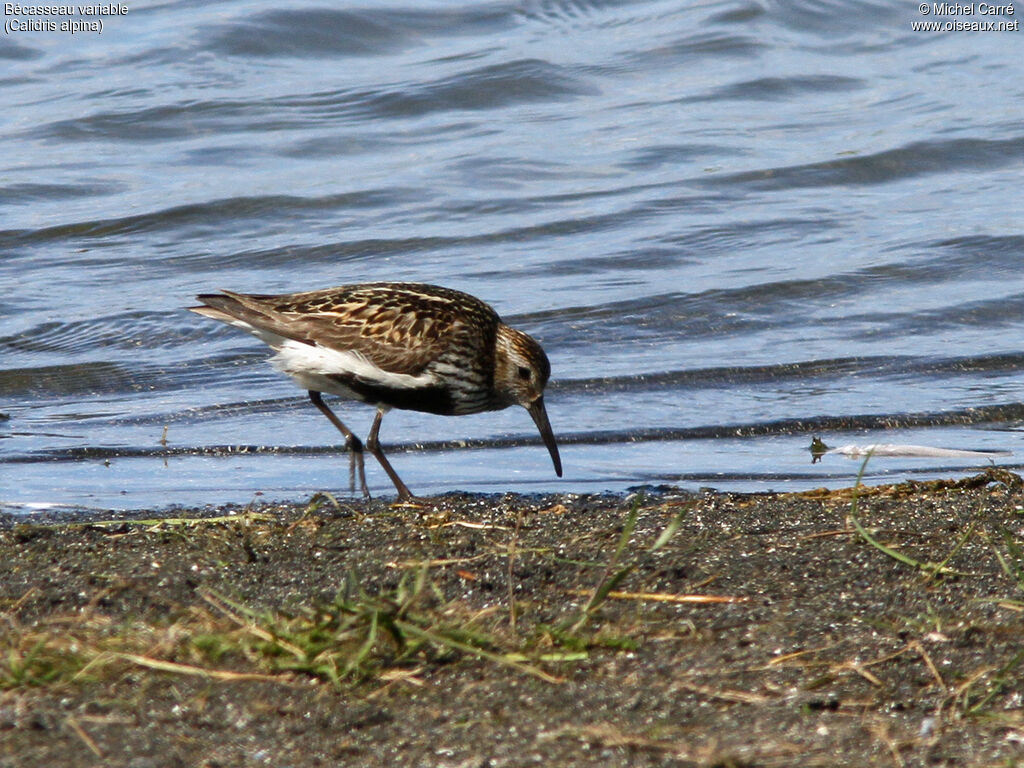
x,y
400,327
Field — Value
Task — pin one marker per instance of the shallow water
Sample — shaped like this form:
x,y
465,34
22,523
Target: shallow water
x,y
733,226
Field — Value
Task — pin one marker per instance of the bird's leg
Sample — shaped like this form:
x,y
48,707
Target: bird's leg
x,y
373,446
352,444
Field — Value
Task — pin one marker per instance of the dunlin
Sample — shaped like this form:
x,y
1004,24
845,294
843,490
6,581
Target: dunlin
x,y
395,345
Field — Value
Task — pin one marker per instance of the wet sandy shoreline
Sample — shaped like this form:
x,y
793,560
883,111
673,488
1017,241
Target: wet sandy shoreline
x,y
664,629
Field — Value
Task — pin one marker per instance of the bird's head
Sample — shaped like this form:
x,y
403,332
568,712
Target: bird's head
x,y
521,372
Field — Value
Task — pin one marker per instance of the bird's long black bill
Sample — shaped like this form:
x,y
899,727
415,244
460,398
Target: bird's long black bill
x,y
540,418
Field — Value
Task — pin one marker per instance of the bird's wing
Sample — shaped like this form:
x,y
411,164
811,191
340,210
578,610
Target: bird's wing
x,y
399,328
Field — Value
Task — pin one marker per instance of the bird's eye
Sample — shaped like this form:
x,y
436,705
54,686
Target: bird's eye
x,y
524,373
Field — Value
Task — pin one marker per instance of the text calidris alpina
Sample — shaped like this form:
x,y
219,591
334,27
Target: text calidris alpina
x,y
395,345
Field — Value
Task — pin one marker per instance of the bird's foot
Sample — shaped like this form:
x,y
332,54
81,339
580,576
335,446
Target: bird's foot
x,y
356,467
409,502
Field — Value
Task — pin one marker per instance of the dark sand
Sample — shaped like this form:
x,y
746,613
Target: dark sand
x,y
134,644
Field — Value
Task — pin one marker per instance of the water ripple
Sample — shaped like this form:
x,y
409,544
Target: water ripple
x,y
996,414
322,32
916,159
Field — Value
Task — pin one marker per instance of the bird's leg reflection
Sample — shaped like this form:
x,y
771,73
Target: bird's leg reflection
x,y
353,445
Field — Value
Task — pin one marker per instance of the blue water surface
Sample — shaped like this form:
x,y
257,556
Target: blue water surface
x,y
732,225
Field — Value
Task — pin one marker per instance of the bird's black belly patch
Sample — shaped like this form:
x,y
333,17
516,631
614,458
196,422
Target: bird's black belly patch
x,y
434,399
